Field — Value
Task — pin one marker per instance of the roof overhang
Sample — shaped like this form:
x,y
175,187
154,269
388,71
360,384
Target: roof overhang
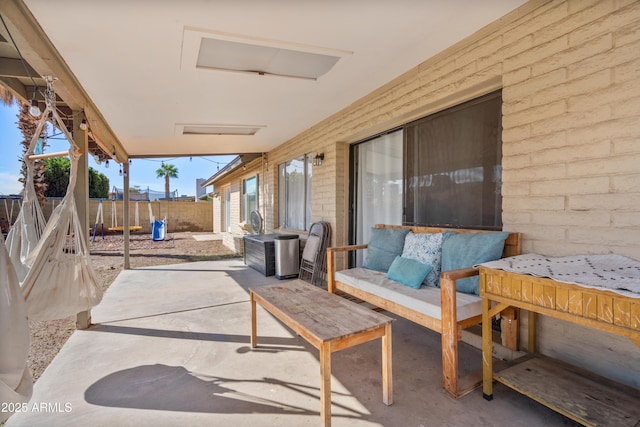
x,y
133,70
231,167
27,55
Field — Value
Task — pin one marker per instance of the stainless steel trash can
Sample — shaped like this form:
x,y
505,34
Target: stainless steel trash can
x,y
287,254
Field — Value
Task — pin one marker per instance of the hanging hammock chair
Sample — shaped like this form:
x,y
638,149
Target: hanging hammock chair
x,y
60,280
16,384
26,231
9,215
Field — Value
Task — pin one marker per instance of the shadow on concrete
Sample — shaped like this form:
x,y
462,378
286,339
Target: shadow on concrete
x,y
174,388
270,344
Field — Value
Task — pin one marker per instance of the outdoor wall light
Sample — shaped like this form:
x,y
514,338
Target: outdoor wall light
x,y
34,110
318,159
83,125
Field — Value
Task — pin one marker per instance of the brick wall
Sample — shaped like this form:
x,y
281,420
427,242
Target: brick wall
x,y
570,75
571,129
181,216
570,78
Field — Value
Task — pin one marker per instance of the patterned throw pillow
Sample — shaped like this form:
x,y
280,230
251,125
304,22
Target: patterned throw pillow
x,y
425,248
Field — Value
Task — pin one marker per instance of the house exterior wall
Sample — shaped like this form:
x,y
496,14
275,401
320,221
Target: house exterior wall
x,y
232,183
570,78
571,141
217,212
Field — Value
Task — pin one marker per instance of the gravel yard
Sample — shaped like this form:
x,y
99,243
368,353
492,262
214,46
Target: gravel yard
x,y
107,257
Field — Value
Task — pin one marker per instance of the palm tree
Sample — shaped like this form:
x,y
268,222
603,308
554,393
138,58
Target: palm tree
x,y
167,171
6,96
27,124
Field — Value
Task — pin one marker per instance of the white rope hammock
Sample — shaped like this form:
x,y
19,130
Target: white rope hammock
x,y
15,379
9,213
52,261
26,231
61,281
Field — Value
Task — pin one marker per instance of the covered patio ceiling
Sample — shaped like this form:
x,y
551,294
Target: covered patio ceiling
x,y
132,66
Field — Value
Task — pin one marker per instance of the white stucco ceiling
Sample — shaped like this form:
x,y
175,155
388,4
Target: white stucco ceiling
x,y
136,61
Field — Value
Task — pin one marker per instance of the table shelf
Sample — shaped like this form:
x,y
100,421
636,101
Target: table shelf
x,y
581,395
574,392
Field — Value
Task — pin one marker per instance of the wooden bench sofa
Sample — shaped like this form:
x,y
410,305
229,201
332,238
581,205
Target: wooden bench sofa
x,y
443,309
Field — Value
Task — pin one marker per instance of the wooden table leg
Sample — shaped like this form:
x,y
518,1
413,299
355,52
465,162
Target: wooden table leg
x,y
387,378
254,342
325,384
487,351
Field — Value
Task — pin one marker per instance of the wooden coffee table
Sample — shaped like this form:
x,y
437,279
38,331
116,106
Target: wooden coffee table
x,y
329,323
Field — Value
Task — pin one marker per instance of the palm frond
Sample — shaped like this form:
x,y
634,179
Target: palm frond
x,y
6,96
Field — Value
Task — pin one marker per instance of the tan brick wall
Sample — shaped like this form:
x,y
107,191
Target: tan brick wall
x,y
570,75
181,216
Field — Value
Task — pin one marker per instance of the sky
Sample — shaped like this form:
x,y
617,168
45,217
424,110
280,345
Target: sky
x,y
142,171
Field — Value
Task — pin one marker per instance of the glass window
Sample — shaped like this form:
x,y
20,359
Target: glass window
x,y
249,196
294,193
378,168
453,172
442,170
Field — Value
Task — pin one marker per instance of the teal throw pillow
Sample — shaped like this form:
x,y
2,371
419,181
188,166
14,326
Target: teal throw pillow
x,y
461,250
384,246
409,272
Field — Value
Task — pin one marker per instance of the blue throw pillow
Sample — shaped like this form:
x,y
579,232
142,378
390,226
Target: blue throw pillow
x,y
408,272
461,250
384,246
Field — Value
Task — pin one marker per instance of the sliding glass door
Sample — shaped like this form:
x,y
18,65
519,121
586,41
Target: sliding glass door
x,y
378,184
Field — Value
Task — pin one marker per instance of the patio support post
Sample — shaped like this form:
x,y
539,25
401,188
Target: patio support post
x,y
81,193
125,219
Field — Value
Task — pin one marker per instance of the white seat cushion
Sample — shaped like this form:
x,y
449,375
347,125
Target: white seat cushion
x,y
425,300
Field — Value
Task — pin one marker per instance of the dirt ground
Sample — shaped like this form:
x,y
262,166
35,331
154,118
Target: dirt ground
x,y
107,258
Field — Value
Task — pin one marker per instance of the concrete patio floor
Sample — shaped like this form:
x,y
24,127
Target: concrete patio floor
x,y
170,346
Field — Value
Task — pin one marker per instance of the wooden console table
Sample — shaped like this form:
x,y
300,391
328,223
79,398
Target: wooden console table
x,y
329,323
576,393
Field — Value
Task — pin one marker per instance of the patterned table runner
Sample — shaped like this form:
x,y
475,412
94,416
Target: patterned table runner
x,y
612,272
